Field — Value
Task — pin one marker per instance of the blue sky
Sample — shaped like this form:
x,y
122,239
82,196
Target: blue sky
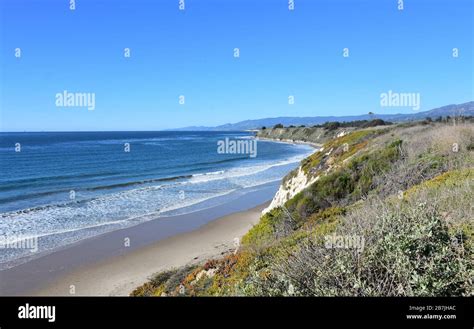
x,y
190,53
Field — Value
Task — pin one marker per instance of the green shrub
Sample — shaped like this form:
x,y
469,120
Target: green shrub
x,y
263,231
408,252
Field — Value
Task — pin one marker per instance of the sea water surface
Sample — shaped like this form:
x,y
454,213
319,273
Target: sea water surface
x,y
62,187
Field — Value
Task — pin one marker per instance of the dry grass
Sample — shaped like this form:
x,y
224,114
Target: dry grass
x,y
427,151
419,245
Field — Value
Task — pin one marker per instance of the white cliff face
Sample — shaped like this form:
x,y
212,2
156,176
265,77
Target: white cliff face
x,y
341,134
289,189
300,181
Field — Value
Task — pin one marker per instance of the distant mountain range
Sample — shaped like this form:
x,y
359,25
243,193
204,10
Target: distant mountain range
x,y
466,109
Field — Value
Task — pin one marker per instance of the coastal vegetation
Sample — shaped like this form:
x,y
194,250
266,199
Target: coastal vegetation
x,y
396,198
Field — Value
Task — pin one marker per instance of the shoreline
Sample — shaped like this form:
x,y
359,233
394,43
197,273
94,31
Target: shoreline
x,y
116,262
120,275
104,266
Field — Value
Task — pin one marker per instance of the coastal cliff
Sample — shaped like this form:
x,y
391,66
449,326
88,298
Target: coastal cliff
x,y
291,185
394,200
297,180
311,135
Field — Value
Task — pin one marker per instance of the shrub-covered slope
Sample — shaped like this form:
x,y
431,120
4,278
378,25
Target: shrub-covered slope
x,y
315,135
388,213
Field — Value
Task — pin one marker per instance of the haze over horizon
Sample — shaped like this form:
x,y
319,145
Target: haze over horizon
x,y
283,53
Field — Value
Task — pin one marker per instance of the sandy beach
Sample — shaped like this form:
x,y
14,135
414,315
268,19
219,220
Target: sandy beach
x,y
121,274
106,266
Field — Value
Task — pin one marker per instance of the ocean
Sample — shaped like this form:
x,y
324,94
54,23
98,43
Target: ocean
x,y
63,187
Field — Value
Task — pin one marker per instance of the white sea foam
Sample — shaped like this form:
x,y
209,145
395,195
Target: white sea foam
x,y
80,219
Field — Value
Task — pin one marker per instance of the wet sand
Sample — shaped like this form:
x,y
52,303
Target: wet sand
x,y
115,263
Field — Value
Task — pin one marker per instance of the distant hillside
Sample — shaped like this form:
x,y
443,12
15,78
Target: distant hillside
x,y
319,134
459,109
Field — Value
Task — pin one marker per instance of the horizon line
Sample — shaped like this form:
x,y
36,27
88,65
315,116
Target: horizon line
x,y
211,128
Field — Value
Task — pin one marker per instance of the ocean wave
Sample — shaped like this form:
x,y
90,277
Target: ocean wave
x,y
140,182
27,196
39,194
129,202
25,182
231,176
219,172
244,171
59,231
